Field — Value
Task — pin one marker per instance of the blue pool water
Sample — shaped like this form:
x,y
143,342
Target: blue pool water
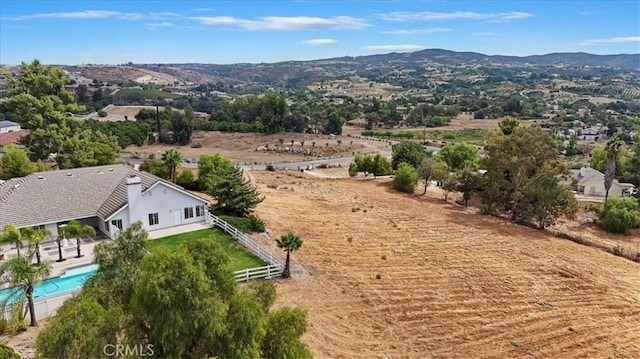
x,y
72,279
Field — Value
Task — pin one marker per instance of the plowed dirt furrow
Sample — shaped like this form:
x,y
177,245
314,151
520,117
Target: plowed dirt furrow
x,y
413,277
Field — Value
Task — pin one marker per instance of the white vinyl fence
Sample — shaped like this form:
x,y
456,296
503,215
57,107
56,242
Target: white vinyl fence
x,y
276,265
45,306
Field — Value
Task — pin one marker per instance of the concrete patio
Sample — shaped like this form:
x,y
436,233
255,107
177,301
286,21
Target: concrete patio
x,y
178,229
49,253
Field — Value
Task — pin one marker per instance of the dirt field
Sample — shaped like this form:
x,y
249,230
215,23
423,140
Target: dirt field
x,y
241,147
120,113
451,284
461,122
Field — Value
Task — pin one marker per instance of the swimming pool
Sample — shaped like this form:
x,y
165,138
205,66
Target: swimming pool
x,y
72,279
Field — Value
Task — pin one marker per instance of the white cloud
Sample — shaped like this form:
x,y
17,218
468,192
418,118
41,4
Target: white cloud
x,y
154,26
403,47
320,42
87,14
165,15
131,16
456,15
282,23
81,15
613,40
432,30
511,16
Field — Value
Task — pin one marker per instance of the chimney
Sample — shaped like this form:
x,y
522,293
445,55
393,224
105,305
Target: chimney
x,y
134,198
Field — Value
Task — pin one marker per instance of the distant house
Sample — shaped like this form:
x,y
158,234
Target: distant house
x,y
109,198
201,115
11,132
590,182
591,134
8,126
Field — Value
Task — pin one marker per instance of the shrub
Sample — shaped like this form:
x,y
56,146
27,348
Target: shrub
x,y
187,180
620,215
353,169
196,145
7,352
245,224
3,326
102,113
488,210
406,178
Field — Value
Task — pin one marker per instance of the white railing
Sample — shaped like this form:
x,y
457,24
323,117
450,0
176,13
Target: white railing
x,y
45,307
275,265
266,272
247,242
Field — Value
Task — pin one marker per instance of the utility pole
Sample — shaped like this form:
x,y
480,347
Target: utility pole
x,y
158,121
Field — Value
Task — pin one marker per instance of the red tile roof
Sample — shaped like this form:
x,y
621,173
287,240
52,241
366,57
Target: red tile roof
x,y
12,137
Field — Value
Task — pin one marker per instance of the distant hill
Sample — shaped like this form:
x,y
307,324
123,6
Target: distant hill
x,y
381,67
448,57
302,73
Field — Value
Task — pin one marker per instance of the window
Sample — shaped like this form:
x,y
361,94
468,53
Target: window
x,y
153,219
188,212
39,227
199,211
117,223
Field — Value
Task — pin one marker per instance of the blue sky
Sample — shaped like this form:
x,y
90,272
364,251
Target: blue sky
x,y
113,32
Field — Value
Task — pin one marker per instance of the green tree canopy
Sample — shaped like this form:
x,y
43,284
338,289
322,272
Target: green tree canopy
x,y
15,163
620,215
459,156
545,199
408,152
405,178
184,302
38,97
234,194
508,125
513,176
209,165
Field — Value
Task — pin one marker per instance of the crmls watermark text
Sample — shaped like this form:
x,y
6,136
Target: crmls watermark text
x,y
122,350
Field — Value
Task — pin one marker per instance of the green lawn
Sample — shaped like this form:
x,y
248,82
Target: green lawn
x,y
238,258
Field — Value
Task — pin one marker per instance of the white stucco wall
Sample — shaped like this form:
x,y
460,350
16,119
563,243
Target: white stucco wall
x,y
53,228
164,200
102,227
9,129
596,188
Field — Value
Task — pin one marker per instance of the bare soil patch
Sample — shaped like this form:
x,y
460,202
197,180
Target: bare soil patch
x,y
241,147
452,284
461,122
122,113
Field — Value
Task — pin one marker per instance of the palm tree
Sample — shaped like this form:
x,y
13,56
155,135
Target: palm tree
x,y
35,237
18,272
613,147
77,230
172,159
290,243
11,235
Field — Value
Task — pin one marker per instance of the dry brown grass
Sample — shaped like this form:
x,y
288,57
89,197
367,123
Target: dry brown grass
x,y
241,147
452,284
